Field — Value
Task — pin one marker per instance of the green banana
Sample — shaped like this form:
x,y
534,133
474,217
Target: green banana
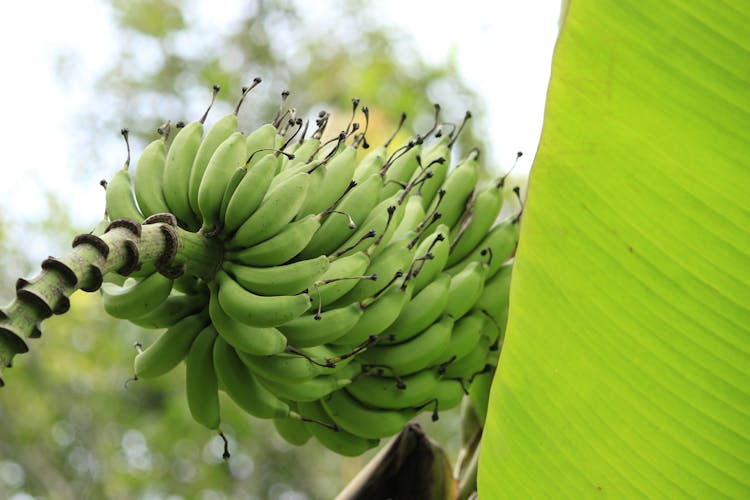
x,y
249,192
234,181
340,441
374,227
314,388
423,309
217,134
378,315
258,310
438,245
464,336
492,357
396,256
177,166
394,216
449,394
436,160
342,275
438,148
357,204
277,209
201,383
280,248
228,157
287,279
370,164
120,203
398,170
413,215
137,299
476,221
119,198
293,430
148,177
289,148
279,137
501,242
245,338
374,161
308,390
189,284
465,289
493,329
286,366
496,295
170,347
242,386
394,394
302,154
414,354
315,184
281,367
458,187
471,364
260,143
313,329
171,310
369,423
299,167
337,176
479,393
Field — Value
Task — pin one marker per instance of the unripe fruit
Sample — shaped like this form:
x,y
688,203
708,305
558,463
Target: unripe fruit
x,y
300,276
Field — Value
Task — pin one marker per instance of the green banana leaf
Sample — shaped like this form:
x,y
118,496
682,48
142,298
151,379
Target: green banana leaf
x,y
626,367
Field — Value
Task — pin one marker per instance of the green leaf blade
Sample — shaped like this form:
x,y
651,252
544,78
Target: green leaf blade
x,y
626,365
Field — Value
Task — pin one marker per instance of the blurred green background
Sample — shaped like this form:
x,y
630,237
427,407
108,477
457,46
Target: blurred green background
x,y
68,426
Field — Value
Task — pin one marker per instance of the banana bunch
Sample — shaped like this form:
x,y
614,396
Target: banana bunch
x,y
344,292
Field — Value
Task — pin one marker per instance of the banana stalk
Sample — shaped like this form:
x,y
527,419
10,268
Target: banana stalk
x,y
125,247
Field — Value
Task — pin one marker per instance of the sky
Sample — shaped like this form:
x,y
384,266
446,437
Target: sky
x,y
504,49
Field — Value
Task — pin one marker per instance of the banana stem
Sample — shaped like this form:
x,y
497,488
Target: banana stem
x,y
468,459
124,248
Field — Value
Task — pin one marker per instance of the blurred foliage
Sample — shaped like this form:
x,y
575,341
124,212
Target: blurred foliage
x,y
20,238
68,427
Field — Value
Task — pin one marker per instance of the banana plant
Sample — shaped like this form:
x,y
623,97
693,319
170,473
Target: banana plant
x,y
625,367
